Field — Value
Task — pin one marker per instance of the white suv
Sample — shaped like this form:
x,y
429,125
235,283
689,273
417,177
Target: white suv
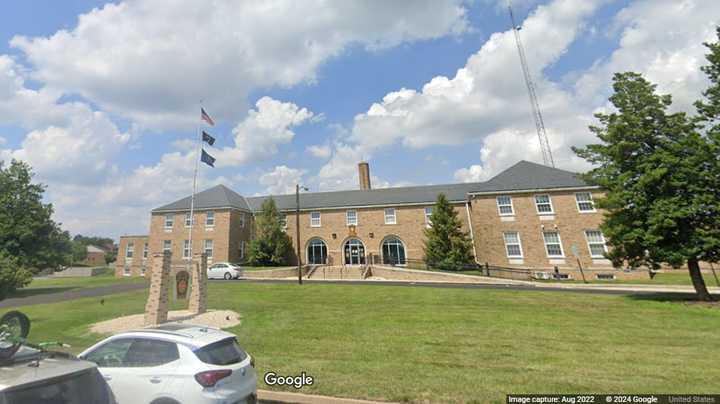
x,y
175,363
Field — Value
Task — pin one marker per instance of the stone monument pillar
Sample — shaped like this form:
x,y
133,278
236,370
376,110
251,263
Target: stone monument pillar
x,y
156,308
198,293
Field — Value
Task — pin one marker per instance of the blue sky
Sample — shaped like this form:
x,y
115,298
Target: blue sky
x,y
102,100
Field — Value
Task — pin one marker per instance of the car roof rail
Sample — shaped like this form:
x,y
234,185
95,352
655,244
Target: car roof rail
x,y
156,331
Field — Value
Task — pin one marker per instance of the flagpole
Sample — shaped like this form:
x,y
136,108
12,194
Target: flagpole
x,y
194,190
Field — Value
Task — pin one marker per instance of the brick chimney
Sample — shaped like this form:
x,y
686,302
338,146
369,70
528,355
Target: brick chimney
x,y
364,174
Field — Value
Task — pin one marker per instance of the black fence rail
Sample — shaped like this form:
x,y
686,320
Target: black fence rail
x,y
486,269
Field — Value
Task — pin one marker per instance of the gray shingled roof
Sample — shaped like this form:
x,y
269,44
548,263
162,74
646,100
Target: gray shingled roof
x,y
218,196
525,175
522,176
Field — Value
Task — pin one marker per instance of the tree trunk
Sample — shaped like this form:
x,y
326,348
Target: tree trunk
x,y
698,281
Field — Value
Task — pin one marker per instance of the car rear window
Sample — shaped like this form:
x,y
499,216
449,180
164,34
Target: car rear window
x,y
86,387
225,352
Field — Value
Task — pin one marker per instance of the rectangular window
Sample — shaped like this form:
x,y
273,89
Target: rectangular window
x,y
209,248
241,249
186,249
187,220
210,219
351,217
314,219
543,204
146,249
390,216
242,219
169,220
596,243
126,271
553,245
129,250
428,216
283,221
167,246
512,244
505,206
585,202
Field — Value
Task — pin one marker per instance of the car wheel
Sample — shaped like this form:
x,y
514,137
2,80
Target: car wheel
x,y
228,276
165,401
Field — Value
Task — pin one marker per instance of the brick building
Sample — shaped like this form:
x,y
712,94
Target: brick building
x,y
528,216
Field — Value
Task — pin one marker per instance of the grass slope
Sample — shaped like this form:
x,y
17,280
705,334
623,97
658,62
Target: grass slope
x,y
446,345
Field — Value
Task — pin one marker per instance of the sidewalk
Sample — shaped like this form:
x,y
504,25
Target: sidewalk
x,y
266,396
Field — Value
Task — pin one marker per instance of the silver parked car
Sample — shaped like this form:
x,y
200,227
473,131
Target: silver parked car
x,y
42,377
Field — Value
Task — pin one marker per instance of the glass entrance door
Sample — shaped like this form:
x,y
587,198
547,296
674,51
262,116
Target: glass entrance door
x,y
354,252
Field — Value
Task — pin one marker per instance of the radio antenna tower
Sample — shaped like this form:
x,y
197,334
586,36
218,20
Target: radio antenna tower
x,y
537,116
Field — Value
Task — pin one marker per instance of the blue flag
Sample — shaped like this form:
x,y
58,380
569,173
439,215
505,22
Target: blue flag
x,y
207,138
207,159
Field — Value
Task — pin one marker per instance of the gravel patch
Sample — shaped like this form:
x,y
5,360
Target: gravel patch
x,y
211,318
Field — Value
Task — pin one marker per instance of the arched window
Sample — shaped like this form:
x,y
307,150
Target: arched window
x,y
393,251
317,252
354,252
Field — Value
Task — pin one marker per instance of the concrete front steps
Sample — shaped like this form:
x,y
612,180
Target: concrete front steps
x,y
335,272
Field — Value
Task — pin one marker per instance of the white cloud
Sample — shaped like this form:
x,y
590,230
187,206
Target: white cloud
x,y
281,180
262,131
474,173
486,102
153,60
320,151
69,142
2,140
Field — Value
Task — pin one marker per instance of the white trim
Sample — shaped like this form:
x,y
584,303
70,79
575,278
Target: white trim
x,y
394,216
591,201
428,221
165,221
519,244
545,243
385,205
212,214
470,226
533,190
587,241
162,211
319,219
347,217
549,202
512,207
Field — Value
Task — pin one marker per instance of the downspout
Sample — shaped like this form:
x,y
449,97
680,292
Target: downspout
x,y
470,225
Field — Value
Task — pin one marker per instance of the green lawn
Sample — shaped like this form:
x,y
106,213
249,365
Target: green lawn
x,y
446,345
664,278
54,285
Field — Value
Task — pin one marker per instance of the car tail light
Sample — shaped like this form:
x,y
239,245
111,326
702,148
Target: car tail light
x,y
211,377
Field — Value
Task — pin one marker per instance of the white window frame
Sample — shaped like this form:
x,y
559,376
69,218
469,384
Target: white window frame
x,y
502,205
130,250
167,246
283,221
392,214
146,251
604,243
188,220
354,221
241,249
126,271
210,219
559,242
549,202
211,249
428,216
315,221
242,219
169,220
591,201
187,249
519,244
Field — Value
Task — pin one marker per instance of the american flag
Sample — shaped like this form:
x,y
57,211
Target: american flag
x,y
205,117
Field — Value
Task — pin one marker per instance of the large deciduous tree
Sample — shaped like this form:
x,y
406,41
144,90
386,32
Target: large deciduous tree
x,y
655,168
446,245
29,239
271,245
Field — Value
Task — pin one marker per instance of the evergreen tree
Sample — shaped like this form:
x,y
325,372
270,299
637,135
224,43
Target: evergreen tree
x,y
447,247
271,245
652,166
